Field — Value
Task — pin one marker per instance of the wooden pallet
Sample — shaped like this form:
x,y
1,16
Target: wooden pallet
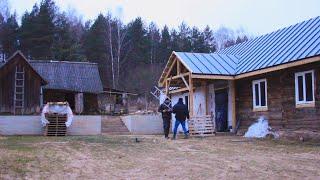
x,y
57,125
202,126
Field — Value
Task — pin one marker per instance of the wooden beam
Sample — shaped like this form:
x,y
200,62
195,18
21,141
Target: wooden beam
x,y
199,76
179,90
178,67
167,87
179,76
166,73
191,95
205,90
279,67
170,68
185,82
233,101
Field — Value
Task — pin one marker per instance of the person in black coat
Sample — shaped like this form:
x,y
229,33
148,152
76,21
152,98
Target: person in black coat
x,y
166,116
182,113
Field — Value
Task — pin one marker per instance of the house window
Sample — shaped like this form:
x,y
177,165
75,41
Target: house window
x,y
259,91
304,88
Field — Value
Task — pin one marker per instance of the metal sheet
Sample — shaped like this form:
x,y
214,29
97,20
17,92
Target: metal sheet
x,y
288,44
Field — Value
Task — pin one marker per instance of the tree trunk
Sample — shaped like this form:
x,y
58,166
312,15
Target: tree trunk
x,y
111,54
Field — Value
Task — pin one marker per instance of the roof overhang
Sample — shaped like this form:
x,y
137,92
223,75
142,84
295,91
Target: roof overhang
x,y
280,67
165,73
239,76
19,53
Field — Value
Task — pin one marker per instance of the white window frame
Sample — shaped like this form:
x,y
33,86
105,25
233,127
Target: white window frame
x,y
304,101
259,107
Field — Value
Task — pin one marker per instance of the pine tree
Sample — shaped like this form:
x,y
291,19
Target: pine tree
x,y
66,45
96,47
165,45
209,40
184,40
154,42
139,41
38,29
9,35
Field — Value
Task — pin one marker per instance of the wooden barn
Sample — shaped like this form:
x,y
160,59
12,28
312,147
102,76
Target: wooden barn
x,y
20,86
26,85
276,76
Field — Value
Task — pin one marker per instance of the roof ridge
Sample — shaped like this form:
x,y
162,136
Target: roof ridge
x,y
282,28
67,62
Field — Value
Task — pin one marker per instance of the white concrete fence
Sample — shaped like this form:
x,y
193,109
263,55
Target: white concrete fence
x,y
31,125
144,124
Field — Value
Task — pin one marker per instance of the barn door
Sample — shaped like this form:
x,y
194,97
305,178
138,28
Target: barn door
x,y
221,101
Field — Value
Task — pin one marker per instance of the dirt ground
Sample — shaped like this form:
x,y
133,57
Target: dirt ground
x,y
121,157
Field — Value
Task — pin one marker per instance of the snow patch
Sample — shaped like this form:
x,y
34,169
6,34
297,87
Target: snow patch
x,y
260,129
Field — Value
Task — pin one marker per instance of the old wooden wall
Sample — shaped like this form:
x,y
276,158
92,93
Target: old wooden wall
x,y
282,111
31,91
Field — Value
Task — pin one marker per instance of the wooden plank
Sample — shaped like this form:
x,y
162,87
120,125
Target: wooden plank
x,y
167,87
202,76
180,75
185,82
178,90
178,67
201,125
279,67
191,95
233,102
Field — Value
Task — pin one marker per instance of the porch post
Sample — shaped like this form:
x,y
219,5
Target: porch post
x,y
205,90
78,102
233,101
191,94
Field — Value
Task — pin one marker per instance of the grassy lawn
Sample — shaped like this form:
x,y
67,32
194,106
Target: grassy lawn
x,y
120,157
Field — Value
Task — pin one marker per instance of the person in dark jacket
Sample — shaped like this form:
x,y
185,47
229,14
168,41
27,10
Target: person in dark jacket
x,y
182,113
166,116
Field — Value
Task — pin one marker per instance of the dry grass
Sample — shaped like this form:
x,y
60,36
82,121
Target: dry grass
x,y
120,157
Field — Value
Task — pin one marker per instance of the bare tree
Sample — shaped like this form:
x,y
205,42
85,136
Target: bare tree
x,y
5,9
111,50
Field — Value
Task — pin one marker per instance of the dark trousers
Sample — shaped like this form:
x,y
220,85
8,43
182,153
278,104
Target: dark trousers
x,y
166,126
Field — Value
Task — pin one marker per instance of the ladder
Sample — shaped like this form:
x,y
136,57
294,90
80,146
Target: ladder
x,y
18,103
156,92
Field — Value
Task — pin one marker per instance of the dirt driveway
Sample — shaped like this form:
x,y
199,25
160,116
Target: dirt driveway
x,y
121,157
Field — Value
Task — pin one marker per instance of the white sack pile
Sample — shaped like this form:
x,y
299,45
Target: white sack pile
x,y
59,109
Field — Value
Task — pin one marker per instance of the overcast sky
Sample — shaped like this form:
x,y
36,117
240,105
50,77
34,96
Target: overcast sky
x,y
254,16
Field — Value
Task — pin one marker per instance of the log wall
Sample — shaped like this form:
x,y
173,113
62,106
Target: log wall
x,y
7,85
282,111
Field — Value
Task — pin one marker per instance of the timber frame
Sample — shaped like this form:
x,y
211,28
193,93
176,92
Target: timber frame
x,y
177,77
179,63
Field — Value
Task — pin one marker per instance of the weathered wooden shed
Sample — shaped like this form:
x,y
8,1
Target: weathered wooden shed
x,y
25,85
20,86
276,75
78,83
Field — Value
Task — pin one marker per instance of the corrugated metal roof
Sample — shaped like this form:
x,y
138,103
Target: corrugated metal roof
x,y
72,76
203,63
285,45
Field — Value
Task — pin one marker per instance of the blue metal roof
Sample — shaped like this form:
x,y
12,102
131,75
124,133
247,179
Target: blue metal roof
x,y
204,63
286,45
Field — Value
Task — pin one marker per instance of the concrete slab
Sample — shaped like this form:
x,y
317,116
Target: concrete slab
x,y
144,124
31,125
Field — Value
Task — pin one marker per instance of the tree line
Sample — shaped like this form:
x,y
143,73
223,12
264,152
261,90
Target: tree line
x,y
130,56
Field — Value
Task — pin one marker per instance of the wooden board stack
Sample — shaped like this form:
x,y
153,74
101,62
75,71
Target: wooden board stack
x,y
201,126
57,125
